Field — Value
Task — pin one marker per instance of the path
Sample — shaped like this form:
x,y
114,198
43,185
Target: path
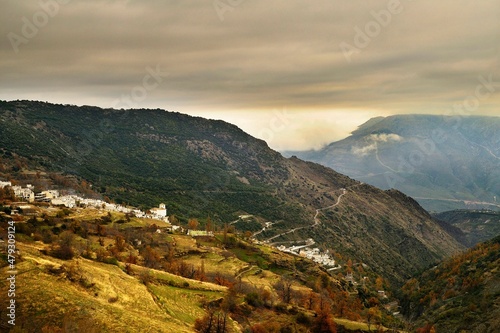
x,y
316,220
248,269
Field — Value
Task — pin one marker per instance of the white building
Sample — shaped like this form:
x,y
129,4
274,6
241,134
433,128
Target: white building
x,y
4,184
25,193
47,196
160,212
67,201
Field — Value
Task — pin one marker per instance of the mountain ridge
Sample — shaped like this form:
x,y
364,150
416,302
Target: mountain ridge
x,y
202,168
444,162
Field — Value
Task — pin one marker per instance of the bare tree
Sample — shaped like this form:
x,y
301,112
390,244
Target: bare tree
x,y
284,289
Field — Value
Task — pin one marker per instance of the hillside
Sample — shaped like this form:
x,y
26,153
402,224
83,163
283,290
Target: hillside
x,y
203,168
83,270
478,225
444,162
462,294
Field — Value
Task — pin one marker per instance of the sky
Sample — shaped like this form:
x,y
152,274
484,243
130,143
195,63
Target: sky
x,y
298,74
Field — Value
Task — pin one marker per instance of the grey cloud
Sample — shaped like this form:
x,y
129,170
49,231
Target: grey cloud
x,y
264,55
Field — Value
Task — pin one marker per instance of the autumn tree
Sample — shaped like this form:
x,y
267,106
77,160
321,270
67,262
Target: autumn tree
x,y
309,300
120,243
66,242
324,320
151,257
173,220
284,289
379,283
214,321
200,272
373,316
208,225
193,224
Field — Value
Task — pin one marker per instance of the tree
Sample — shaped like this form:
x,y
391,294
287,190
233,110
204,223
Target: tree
x,y
284,289
193,224
120,243
208,225
173,220
373,316
324,321
200,273
151,257
214,321
309,300
66,243
379,283
224,233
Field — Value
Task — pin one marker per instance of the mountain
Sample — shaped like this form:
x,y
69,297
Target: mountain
x,y
213,171
462,294
444,162
477,225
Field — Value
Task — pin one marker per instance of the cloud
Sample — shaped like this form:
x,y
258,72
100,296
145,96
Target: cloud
x,y
373,141
263,56
364,150
385,137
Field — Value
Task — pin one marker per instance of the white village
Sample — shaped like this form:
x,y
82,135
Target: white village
x,y
159,213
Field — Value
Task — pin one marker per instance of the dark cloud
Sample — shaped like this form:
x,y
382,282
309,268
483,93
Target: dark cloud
x,y
262,56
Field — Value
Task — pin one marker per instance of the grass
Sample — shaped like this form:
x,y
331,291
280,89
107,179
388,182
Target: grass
x,y
251,257
53,298
183,305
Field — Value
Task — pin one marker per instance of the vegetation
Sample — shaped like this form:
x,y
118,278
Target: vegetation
x,y
459,294
203,169
477,225
88,267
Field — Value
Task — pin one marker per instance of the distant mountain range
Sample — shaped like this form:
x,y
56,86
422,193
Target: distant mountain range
x,y
444,162
203,168
477,225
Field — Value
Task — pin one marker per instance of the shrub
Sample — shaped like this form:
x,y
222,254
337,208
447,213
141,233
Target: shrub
x,y
303,319
254,300
113,299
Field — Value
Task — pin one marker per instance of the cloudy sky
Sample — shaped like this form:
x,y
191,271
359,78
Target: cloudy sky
x,y
298,74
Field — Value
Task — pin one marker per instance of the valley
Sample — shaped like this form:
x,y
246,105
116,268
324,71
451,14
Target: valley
x,y
443,162
198,212
211,170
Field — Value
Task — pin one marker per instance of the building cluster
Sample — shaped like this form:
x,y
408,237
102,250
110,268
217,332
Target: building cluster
x,y
315,254
70,201
28,193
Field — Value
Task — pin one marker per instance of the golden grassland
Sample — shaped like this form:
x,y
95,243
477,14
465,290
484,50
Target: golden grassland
x,y
113,297
116,302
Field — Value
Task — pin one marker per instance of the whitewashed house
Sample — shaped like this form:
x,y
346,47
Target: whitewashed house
x,y
24,193
5,184
160,212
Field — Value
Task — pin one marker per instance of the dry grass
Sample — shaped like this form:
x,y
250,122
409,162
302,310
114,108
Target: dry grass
x,y
45,299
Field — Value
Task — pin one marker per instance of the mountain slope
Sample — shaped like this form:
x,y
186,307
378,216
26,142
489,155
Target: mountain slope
x,y
444,162
478,225
203,168
462,294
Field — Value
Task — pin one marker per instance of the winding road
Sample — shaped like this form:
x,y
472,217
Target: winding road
x,y
316,220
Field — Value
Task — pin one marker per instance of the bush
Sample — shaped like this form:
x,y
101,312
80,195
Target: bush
x,y
113,299
303,319
65,248
254,300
